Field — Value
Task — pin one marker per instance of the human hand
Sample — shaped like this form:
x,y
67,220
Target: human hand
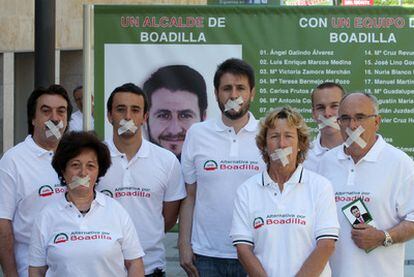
x,y
187,260
366,236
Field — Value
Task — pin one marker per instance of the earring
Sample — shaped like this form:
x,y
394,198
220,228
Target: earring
x,y
62,181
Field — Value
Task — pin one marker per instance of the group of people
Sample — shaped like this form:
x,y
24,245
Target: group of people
x,y
253,198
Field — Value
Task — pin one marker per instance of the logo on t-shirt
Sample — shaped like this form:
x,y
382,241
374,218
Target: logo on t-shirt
x,y
210,165
280,219
258,222
107,193
81,236
140,192
90,235
48,190
350,196
61,237
45,191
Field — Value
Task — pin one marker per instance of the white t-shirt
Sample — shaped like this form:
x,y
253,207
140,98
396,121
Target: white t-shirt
x,y
284,227
142,185
219,160
76,121
92,245
27,183
384,179
315,154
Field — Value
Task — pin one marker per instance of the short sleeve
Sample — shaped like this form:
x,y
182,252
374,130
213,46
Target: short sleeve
x,y
187,158
175,185
130,245
326,219
8,188
241,227
405,199
38,247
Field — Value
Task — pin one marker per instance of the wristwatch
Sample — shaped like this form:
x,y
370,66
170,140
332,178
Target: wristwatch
x,y
388,239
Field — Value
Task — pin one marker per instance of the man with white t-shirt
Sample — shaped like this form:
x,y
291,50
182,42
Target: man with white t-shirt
x,y
76,120
325,103
366,167
27,180
218,155
145,178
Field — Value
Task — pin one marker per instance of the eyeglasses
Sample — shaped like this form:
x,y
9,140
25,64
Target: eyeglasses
x,y
359,118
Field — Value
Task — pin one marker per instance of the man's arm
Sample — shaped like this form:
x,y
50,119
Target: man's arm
x,y
170,213
184,236
37,271
7,261
367,237
135,267
316,262
249,261
402,232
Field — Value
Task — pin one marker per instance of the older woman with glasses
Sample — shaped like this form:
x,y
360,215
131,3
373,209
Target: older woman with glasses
x,y
84,233
284,219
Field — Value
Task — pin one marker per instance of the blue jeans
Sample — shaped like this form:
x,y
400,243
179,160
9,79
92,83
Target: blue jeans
x,y
218,267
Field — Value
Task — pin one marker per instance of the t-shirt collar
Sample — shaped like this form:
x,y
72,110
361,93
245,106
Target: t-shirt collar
x,y
251,125
296,177
99,200
143,151
371,156
39,151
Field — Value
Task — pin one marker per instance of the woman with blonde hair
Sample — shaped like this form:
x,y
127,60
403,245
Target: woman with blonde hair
x,y
284,219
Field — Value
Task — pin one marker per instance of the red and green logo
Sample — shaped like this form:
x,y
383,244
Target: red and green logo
x,y
258,222
107,193
60,238
210,165
45,191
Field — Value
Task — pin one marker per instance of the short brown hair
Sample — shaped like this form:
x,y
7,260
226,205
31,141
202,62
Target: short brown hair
x,y
74,143
295,119
327,85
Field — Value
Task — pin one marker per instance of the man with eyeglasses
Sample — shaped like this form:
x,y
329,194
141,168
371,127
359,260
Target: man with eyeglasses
x,y
367,167
325,103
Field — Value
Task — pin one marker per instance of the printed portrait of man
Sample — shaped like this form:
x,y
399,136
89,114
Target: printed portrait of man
x,y
360,218
177,99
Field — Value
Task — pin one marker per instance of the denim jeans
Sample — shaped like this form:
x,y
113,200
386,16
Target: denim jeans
x,y
218,267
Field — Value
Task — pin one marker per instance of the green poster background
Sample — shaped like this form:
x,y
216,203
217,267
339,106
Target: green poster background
x,y
291,48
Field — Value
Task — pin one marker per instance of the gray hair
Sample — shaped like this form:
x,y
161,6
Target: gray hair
x,y
370,96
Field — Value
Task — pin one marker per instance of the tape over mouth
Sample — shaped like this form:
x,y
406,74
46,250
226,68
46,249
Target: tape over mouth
x,y
233,104
282,155
355,136
79,181
127,125
325,122
54,129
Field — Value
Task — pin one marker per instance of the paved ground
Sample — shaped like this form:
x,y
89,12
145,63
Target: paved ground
x,y
173,261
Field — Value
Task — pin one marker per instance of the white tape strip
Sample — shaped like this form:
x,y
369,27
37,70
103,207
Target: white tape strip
x,y
233,104
79,181
282,155
53,130
331,122
127,126
355,136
